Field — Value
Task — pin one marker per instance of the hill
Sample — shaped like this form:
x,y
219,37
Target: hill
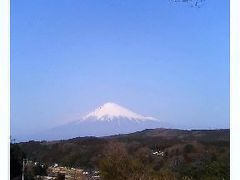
x,y
197,154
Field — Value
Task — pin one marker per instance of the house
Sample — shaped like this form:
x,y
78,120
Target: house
x,y
158,153
85,172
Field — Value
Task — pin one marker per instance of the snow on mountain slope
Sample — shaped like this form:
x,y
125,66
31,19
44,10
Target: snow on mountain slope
x,y
110,111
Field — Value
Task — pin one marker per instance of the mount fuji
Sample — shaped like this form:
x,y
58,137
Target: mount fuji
x,y
108,119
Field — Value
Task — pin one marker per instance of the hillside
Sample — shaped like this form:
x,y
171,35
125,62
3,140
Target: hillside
x,y
178,153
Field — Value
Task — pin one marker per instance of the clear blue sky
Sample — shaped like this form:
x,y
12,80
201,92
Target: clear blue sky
x,y
158,58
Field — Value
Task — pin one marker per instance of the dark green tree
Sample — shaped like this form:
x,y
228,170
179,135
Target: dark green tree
x,y
16,159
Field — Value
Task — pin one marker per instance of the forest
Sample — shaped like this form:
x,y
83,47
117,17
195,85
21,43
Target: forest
x,y
148,155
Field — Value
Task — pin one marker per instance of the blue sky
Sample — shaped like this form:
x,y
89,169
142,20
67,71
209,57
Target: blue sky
x,y
158,58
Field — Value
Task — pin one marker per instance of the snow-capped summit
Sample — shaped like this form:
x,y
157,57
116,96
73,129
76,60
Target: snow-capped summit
x,y
110,111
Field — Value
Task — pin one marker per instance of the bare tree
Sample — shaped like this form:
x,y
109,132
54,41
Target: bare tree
x,y
192,3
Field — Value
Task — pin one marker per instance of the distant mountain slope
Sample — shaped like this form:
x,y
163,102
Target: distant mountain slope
x,y
180,135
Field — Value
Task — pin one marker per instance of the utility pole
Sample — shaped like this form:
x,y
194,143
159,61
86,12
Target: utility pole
x,y
23,168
